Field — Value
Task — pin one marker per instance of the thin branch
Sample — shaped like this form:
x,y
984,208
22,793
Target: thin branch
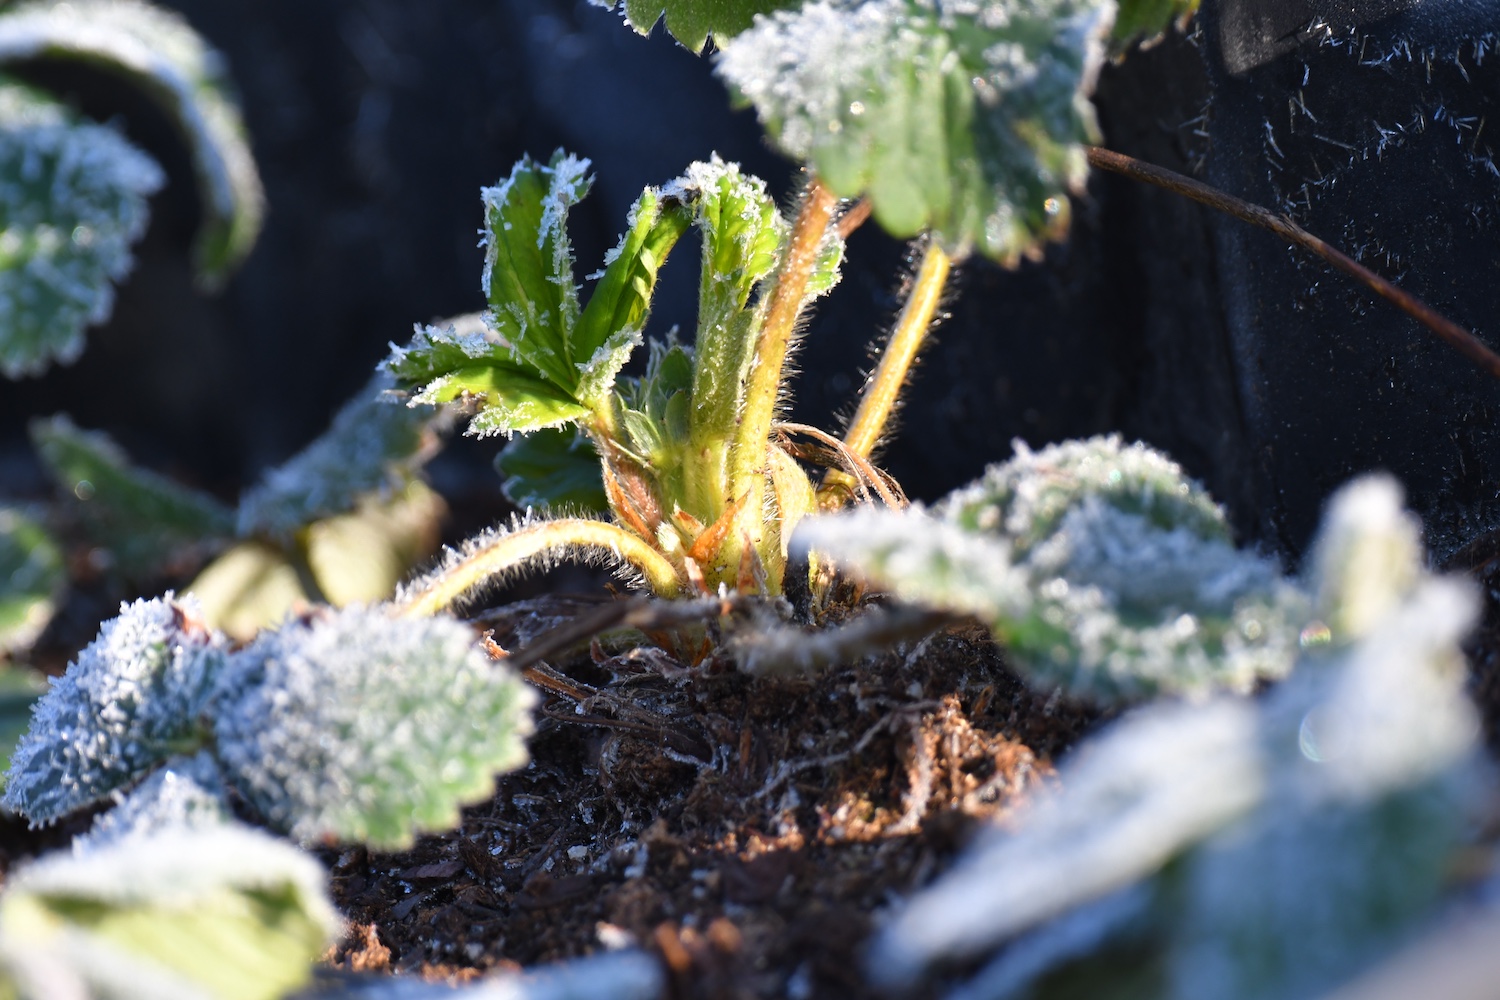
x,y
859,466
1457,337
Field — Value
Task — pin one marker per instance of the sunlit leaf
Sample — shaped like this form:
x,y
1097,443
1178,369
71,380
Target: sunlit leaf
x,y
72,201
365,727
968,121
223,912
248,587
359,557
143,519
32,578
155,51
1102,568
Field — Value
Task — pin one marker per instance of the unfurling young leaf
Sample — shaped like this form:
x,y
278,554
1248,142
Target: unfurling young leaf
x,y
539,361
363,727
1102,568
31,579
157,52
142,518
188,913
130,700
968,120
72,201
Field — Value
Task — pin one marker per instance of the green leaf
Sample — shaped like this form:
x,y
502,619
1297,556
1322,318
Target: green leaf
x,y
374,444
157,52
615,316
552,468
1147,21
72,201
528,268
742,233
247,588
223,911
364,727
969,122
130,700
1103,569
32,578
692,21
142,518
360,557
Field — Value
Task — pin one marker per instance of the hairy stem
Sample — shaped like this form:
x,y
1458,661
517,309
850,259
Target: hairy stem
x,y
882,389
1457,337
514,549
747,463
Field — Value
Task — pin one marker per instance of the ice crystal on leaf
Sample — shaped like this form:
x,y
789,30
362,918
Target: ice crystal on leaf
x,y
966,118
131,699
185,793
72,201
1245,850
374,445
692,21
364,727
1103,569
543,362
157,52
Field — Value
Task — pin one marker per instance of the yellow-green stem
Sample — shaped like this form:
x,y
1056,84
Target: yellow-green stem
x,y
748,456
883,388
509,551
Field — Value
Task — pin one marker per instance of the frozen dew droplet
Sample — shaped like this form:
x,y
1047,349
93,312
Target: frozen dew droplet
x,y
1315,634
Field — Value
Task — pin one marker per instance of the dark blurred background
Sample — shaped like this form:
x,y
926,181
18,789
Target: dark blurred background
x,y
375,123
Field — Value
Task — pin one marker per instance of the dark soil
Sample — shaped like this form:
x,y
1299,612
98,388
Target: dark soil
x,y
745,831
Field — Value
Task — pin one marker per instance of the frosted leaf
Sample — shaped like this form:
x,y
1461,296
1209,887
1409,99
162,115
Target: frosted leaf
x,y
185,793
157,52
188,912
72,201
692,21
373,445
1366,558
555,468
1321,825
363,727
1147,21
1103,569
32,578
143,519
542,363
967,119
1153,784
742,235
131,699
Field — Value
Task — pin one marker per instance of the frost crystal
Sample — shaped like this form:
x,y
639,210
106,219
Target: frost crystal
x,y
364,727
963,117
1101,566
72,201
373,444
130,700
186,793
1241,850
158,52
